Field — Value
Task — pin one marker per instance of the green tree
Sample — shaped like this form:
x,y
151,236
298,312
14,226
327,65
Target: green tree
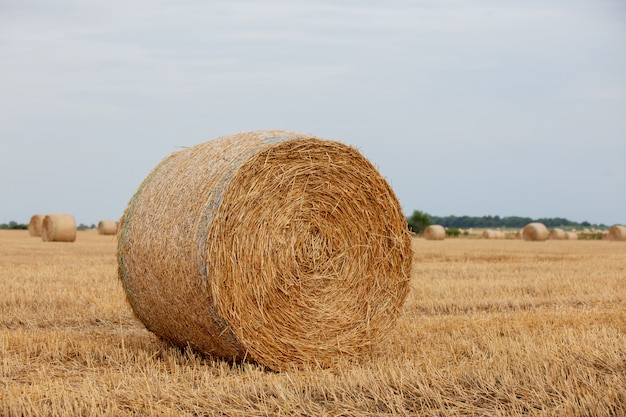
x,y
418,221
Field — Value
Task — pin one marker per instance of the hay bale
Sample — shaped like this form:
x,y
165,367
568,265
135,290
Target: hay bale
x,y
493,234
107,227
34,225
271,246
557,234
434,232
617,232
58,228
535,232
571,236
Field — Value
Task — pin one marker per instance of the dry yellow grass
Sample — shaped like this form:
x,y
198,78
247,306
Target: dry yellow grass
x,y
499,328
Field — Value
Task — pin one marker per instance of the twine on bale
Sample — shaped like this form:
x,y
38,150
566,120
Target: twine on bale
x,y
58,228
271,246
535,232
34,225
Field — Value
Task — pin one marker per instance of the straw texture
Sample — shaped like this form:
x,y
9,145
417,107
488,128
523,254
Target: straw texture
x,y
434,232
535,232
268,246
617,232
58,228
107,227
34,225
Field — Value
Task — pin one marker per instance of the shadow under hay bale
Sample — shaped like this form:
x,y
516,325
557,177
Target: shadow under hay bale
x,y
269,246
58,228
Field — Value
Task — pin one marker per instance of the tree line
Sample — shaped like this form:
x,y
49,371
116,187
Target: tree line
x,y
419,220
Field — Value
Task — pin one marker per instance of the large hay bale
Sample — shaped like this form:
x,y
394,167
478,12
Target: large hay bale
x,y
617,232
571,235
270,246
557,234
434,232
107,227
58,228
535,232
34,225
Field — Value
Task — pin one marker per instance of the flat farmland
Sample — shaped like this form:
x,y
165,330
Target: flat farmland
x,y
490,327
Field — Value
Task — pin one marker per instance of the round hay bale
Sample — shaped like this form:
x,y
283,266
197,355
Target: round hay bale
x,y
617,232
571,236
273,247
493,234
535,232
434,232
557,234
34,225
58,228
107,227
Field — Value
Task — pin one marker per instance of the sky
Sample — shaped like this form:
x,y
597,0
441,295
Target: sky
x,y
473,108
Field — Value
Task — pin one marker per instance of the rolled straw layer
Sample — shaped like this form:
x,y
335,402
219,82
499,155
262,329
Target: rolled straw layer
x,y
268,246
434,232
536,232
58,228
617,232
107,227
34,225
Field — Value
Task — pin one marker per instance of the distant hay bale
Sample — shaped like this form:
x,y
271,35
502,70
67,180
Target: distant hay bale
x,y
557,234
571,235
34,225
274,247
617,232
434,232
107,227
58,228
493,234
535,232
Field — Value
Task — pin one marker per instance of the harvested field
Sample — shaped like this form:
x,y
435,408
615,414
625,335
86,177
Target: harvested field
x,y
490,327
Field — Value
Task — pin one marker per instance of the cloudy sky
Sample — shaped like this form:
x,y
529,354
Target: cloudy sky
x,y
510,108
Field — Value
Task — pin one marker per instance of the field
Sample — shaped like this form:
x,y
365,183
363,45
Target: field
x,y
490,328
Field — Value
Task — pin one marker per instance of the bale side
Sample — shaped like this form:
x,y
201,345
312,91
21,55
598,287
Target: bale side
x,y
535,232
434,232
34,225
107,227
617,232
58,228
273,247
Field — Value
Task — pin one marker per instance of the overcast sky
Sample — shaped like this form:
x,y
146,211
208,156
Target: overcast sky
x,y
510,108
